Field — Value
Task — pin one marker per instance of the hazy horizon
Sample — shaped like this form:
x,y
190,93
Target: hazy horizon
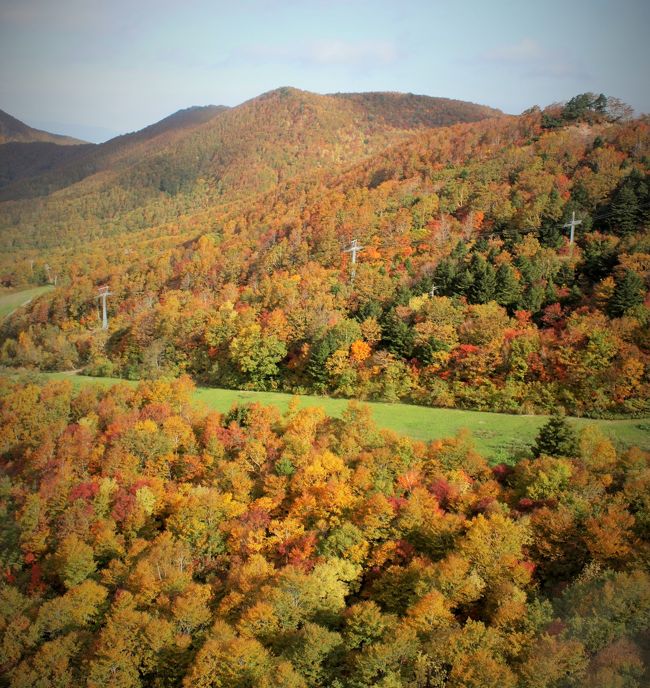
x,y
101,134
90,70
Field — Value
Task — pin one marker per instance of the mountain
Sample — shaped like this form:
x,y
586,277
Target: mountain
x,y
26,152
410,111
278,134
38,169
20,161
13,130
147,536
202,157
223,245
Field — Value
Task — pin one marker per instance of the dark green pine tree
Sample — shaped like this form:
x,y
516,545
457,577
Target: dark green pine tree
x,y
342,334
508,289
550,293
580,106
320,352
574,297
565,276
425,351
444,277
402,295
628,292
556,438
624,211
462,282
550,235
599,256
459,251
483,286
527,269
370,309
397,336
642,191
533,298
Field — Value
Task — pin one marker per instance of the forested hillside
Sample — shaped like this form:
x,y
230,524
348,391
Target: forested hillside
x,y
13,130
207,156
145,543
467,292
31,170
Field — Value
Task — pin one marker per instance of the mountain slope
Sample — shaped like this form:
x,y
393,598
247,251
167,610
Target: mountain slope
x,y
466,294
13,130
22,161
410,111
209,157
27,170
275,135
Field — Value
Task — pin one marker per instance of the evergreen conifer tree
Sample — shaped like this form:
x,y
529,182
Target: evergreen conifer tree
x,y
550,294
624,211
533,298
342,334
462,282
444,276
397,336
508,289
628,292
556,438
483,284
459,251
550,235
565,276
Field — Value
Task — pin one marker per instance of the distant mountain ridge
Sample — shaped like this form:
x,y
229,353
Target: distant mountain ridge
x,y
181,119
56,167
250,147
412,111
12,130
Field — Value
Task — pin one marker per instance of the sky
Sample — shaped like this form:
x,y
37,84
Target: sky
x,y
97,68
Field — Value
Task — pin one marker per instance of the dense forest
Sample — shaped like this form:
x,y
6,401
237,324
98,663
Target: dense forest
x,y
145,542
221,234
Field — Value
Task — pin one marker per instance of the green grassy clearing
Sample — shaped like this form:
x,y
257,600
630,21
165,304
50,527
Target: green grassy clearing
x,y
11,301
496,435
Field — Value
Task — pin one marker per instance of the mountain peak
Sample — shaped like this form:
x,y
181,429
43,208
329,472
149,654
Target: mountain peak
x,y
283,133
284,92
13,130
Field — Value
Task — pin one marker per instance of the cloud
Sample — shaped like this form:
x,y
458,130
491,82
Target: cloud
x,y
534,60
323,53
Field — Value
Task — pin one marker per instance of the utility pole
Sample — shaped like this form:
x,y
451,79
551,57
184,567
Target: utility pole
x,y
103,294
353,249
573,224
